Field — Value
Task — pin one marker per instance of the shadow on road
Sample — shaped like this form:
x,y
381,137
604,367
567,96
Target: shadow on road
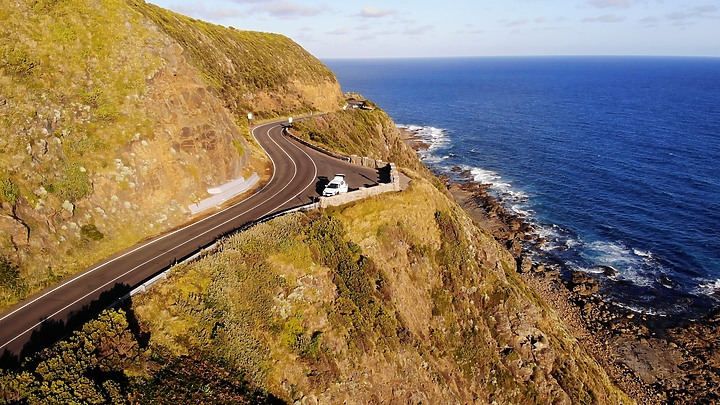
x,y
51,331
384,174
320,185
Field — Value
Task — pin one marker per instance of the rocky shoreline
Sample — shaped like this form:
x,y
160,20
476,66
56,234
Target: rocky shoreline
x,y
652,363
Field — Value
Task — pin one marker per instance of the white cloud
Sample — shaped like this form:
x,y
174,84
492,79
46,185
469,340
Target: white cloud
x,y
650,21
288,10
419,30
339,31
695,12
372,12
607,18
515,23
609,3
199,10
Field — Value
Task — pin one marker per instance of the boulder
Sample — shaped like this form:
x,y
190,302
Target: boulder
x,y
524,265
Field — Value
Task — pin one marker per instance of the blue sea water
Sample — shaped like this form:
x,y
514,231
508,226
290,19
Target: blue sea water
x,y
616,160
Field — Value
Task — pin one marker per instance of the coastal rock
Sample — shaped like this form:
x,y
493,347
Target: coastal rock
x,y
583,284
608,271
514,247
524,265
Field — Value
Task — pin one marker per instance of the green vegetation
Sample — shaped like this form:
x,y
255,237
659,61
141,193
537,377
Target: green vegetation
x,y
359,307
8,191
362,133
91,232
11,282
105,363
80,370
74,185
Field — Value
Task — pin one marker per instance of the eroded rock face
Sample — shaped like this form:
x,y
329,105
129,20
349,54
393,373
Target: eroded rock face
x,y
18,232
193,146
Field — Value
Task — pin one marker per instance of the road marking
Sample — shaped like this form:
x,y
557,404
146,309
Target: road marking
x,y
272,126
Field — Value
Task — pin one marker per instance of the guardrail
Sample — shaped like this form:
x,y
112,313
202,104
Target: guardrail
x,y
286,131
163,275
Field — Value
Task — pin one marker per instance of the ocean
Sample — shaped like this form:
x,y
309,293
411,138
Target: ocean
x,y
615,160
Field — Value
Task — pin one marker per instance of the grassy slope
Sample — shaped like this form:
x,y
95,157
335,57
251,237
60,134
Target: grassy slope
x,y
252,71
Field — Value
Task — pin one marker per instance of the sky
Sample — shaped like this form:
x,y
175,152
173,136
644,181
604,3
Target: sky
x,y
449,28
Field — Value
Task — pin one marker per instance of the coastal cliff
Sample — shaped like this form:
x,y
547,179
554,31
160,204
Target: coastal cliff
x,y
116,115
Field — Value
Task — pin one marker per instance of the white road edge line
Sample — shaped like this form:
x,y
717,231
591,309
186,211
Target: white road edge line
x,y
164,236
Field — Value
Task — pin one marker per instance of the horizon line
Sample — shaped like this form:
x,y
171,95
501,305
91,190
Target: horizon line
x,y
526,56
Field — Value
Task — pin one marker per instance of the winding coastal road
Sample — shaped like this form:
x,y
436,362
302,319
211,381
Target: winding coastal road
x,y
42,318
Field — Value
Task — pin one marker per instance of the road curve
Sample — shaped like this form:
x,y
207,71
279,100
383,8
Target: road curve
x,y
46,316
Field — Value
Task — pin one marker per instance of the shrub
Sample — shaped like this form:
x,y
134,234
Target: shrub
x,y
8,191
75,185
10,278
91,232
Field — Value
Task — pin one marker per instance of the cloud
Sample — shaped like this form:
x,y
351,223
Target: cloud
x,y
515,23
372,12
283,9
198,10
609,3
339,31
695,12
650,21
418,30
541,20
607,18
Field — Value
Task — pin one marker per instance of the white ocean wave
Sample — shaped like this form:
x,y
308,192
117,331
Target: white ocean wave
x,y
632,265
638,252
638,310
709,287
436,138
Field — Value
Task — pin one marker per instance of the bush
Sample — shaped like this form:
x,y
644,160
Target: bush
x,y
10,278
91,232
75,185
8,191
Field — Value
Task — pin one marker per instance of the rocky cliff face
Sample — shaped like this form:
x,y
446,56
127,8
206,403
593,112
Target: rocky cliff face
x,y
113,121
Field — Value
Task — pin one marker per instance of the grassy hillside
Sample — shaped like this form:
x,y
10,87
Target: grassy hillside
x,y
103,103
267,74
360,132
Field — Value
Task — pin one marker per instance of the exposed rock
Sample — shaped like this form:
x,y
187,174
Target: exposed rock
x,y
19,233
68,210
608,271
524,265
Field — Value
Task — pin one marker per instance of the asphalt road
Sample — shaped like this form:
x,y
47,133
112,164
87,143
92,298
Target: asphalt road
x,y
299,175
